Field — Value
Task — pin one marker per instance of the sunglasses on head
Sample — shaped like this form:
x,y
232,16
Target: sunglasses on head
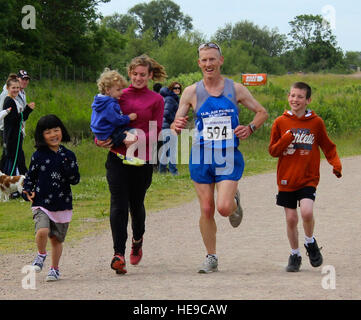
x,y
210,45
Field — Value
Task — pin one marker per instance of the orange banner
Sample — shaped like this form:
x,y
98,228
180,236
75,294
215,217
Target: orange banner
x,y
254,79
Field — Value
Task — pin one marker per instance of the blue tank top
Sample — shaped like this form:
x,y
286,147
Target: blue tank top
x,y
216,117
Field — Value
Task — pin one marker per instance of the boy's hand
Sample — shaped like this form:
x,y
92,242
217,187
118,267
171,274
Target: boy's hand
x,y
31,105
29,196
337,173
132,116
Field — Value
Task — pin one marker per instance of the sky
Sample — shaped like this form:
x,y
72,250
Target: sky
x,y
210,15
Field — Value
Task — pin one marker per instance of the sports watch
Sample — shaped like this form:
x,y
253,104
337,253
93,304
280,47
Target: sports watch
x,y
252,127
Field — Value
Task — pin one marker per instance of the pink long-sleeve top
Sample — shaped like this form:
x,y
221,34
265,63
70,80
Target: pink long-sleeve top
x,y
149,107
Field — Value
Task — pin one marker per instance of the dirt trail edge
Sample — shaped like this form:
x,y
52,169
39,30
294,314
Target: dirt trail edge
x,y
252,257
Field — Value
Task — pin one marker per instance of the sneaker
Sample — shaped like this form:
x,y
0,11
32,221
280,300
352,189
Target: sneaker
x,y
294,263
38,263
209,265
235,218
314,254
136,253
53,275
131,161
118,264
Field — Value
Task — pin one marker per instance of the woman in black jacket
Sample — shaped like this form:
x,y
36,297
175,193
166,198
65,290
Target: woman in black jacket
x,y
13,158
171,104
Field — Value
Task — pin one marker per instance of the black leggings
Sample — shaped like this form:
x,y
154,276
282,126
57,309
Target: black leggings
x,y
128,186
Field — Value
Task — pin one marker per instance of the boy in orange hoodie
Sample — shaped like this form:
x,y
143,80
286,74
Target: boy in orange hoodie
x,y
296,139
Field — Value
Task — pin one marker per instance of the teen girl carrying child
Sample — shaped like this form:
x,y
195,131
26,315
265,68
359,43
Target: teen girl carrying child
x,y
53,168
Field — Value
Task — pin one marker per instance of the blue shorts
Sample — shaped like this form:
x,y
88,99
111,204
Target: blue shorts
x,y
215,165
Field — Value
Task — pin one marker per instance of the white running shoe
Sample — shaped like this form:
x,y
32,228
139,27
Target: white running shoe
x,y
235,218
209,265
53,275
38,262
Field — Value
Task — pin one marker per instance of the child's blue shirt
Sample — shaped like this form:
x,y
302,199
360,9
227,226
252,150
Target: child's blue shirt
x,y
106,116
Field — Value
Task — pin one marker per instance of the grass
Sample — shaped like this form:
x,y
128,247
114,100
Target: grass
x,y
336,99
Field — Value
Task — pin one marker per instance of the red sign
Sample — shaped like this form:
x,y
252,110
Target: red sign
x,y
254,79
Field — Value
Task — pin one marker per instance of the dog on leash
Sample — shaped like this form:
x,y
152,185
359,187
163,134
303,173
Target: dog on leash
x,y
9,185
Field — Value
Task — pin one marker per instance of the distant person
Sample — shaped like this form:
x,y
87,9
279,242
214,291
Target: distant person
x,y
156,87
296,139
107,119
171,95
128,184
24,79
215,162
13,157
47,185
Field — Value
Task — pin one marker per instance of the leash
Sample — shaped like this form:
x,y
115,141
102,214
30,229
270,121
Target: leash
x,y
17,148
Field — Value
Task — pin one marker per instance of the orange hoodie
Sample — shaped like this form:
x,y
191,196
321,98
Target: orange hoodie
x,y
297,142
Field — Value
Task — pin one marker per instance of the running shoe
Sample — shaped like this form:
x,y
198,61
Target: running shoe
x,y
294,263
118,264
53,275
131,161
314,254
209,265
235,218
38,263
137,252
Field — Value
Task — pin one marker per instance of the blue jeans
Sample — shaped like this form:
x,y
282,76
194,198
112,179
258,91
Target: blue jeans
x,y
168,155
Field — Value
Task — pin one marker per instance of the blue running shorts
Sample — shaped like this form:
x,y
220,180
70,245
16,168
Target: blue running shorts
x,y
211,165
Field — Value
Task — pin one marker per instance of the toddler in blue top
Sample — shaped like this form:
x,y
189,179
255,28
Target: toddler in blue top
x,y
107,119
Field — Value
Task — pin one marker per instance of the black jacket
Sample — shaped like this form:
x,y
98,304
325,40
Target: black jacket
x,y
171,104
50,176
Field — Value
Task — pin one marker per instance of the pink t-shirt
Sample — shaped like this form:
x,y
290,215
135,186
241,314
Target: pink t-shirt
x,y
57,216
149,107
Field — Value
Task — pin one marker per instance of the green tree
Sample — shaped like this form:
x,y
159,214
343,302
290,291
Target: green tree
x,y
308,28
178,54
120,22
270,40
353,59
312,36
162,17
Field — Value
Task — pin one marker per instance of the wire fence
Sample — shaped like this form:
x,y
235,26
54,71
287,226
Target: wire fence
x,y
51,72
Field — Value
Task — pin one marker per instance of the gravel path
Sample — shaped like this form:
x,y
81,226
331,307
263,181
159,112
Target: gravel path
x,y
252,257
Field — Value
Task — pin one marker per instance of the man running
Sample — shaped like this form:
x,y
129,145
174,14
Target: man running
x,y
215,160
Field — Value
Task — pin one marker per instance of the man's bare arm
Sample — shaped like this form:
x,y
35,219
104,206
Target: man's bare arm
x,y
245,98
186,102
